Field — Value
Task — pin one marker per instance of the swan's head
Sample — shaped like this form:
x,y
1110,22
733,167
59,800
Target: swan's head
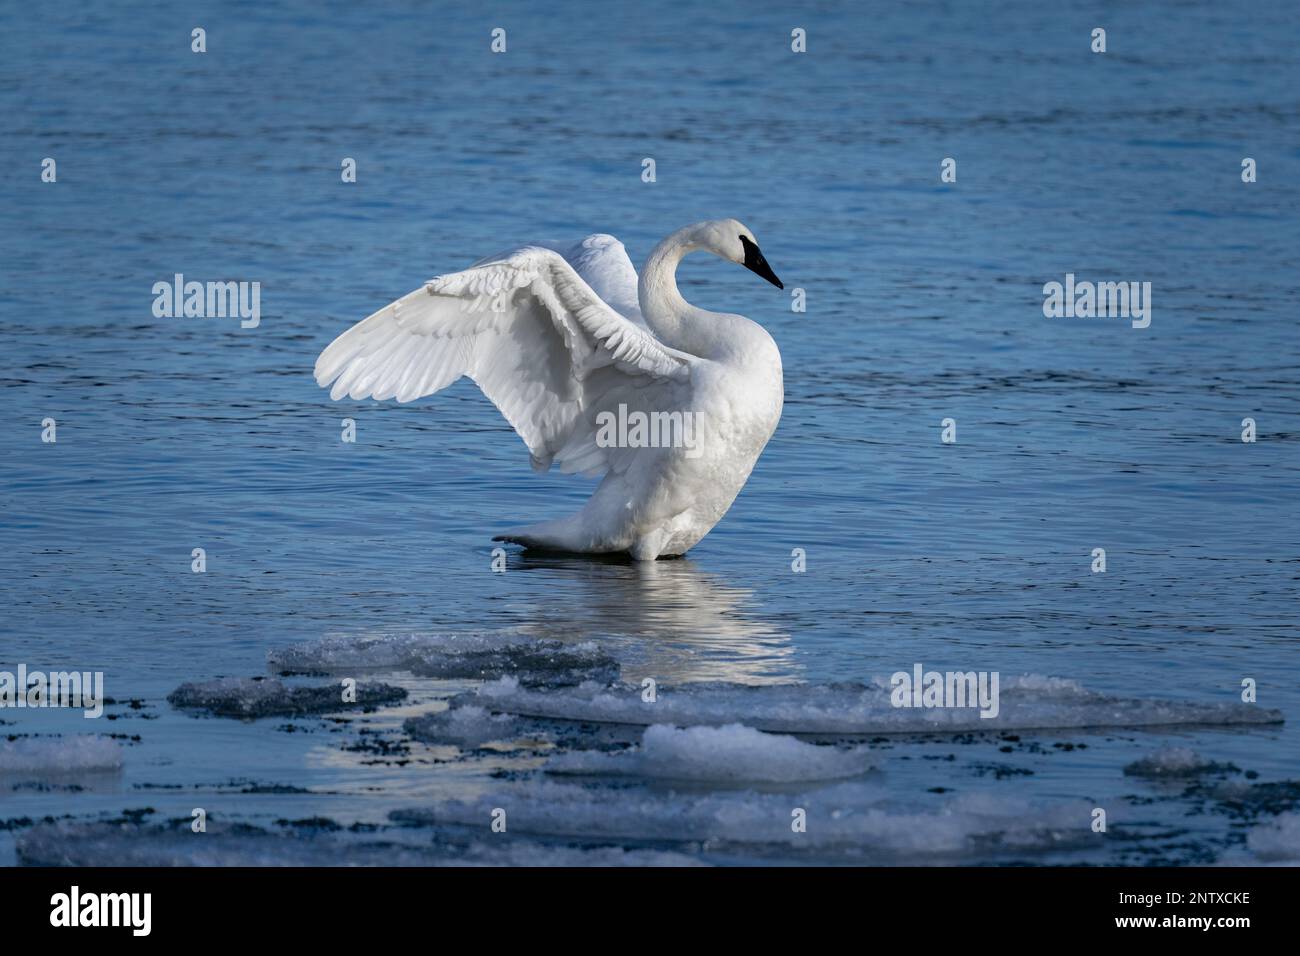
x,y
735,242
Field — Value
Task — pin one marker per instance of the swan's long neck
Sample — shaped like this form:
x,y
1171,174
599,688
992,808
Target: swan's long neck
x,y
674,321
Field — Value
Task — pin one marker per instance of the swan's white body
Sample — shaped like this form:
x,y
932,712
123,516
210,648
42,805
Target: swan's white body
x,y
556,337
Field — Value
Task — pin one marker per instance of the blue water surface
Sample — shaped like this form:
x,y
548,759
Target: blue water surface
x,y
924,302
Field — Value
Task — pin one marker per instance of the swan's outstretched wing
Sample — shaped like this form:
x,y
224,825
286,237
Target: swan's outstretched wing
x,y
603,264
534,336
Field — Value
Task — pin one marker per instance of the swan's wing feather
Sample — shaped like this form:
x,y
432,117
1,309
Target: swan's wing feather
x,y
603,263
527,328
622,397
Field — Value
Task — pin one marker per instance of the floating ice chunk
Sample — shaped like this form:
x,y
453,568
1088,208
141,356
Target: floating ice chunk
x,y
732,753
483,656
109,844
1278,840
1171,762
1249,801
856,819
263,697
467,727
470,727
48,756
1030,702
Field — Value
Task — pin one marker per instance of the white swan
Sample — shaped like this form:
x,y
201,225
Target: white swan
x,y
596,372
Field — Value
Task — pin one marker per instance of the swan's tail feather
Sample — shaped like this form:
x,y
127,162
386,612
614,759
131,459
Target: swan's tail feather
x,y
561,535
517,537
546,536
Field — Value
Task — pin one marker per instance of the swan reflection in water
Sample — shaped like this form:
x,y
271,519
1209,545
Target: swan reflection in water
x,y
663,619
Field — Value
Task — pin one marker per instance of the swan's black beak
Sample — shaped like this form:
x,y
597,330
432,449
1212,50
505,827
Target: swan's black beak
x,y
755,262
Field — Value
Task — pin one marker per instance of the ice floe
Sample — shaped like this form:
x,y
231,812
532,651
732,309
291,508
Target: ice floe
x,y
855,819
533,661
731,753
1276,841
42,756
1028,702
1172,762
112,844
266,697
467,727
471,727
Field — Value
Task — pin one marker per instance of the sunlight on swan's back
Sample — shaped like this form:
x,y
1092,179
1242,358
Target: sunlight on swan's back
x,y
598,372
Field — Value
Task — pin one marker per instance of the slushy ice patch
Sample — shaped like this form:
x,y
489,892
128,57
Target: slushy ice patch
x,y
1173,762
1027,703
482,656
470,728
264,697
858,819
1277,841
110,844
729,753
53,756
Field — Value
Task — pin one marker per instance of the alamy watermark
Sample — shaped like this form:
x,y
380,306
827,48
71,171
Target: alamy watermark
x,y
638,429
82,690
1101,300
130,910
923,688
208,300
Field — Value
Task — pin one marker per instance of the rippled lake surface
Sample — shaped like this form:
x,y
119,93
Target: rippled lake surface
x,y
924,302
